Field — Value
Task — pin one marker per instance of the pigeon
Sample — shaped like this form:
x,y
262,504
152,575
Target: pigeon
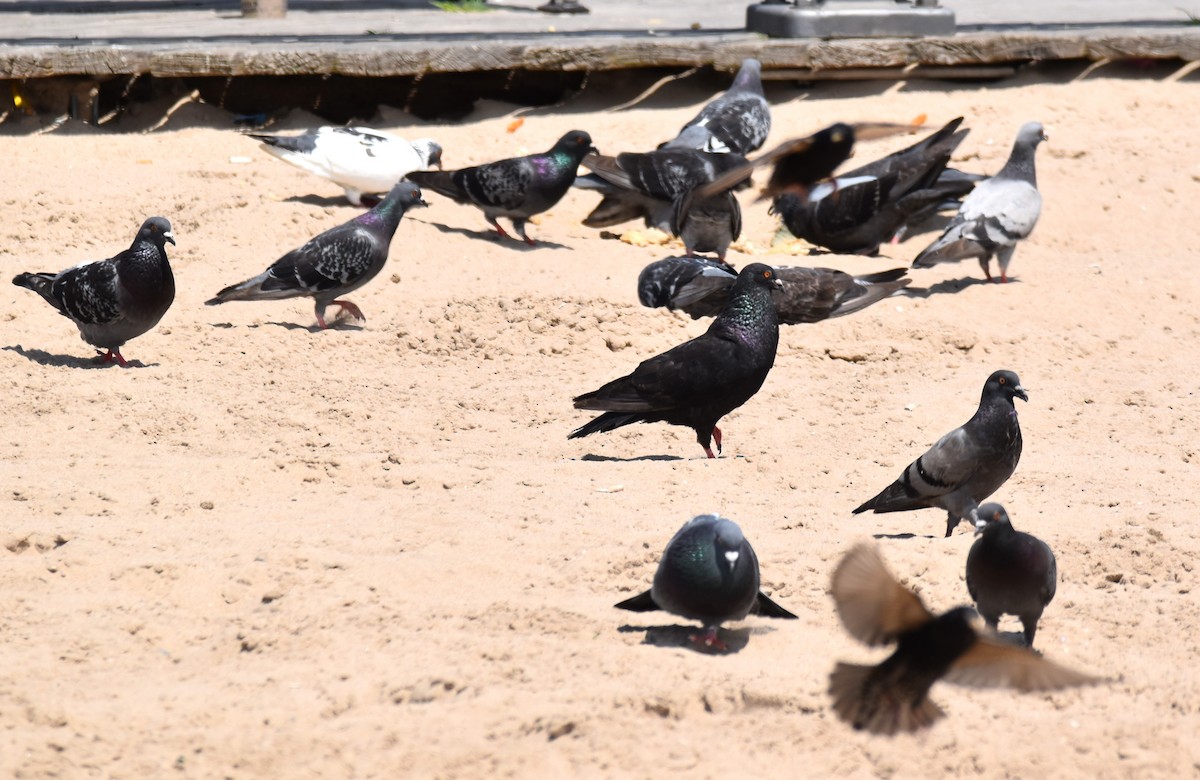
x,y
700,287
893,696
516,188
358,159
1009,572
996,215
658,186
112,301
863,208
708,572
334,263
799,164
966,465
700,381
738,120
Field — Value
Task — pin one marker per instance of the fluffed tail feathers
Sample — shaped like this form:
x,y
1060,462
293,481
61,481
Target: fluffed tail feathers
x,y
873,287
441,182
878,708
40,283
609,421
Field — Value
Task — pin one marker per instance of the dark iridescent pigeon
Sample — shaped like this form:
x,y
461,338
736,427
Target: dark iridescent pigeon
x,y
997,214
893,696
516,188
700,287
966,465
334,263
865,207
738,120
700,381
708,572
112,301
1009,572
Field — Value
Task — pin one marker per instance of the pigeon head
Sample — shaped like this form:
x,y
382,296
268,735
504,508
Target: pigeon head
x,y
1032,134
576,143
156,230
429,150
1006,384
749,75
990,516
727,542
761,275
405,194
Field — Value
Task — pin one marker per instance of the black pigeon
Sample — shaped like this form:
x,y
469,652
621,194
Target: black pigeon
x,y
799,164
893,696
700,381
112,301
997,214
334,263
738,120
708,572
516,188
1009,572
700,287
966,465
865,207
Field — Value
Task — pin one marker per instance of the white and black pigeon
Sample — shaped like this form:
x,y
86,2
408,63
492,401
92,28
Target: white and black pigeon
x,y
112,301
516,188
966,465
709,573
360,160
997,214
738,121
334,263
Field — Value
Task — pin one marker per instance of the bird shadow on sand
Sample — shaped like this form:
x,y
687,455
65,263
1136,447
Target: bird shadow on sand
x,y
735,639
593,458
903,536
943,287
326,202
493,237
314,328
44,358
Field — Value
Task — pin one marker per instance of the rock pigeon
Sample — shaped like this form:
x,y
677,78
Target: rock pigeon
x,y
516,188
112,301
1009,572
997,214
966,465
700,287
658,186
358,159
700,381
334,263
894,695
738,120
865,207
799,164
708,572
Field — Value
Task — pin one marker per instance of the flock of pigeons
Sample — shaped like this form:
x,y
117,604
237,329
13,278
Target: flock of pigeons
x,y
686,187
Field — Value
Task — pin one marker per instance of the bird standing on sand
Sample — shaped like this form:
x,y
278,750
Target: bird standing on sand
x,y
997,214
700,381
708,572
112,301
893,696
516,188
966,465
1009,572
334,263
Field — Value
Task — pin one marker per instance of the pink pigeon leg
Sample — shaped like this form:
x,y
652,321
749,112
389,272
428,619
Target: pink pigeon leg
x,y
708,639
352,309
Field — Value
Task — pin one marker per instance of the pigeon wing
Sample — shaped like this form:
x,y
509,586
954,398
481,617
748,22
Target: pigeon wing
x,y
874,607
992,663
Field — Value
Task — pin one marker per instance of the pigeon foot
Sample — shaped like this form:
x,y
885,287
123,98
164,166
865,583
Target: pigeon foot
x,y
717,437
350,309
111,356
708,639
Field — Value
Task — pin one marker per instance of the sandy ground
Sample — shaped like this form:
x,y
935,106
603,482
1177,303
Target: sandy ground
x,y
371,551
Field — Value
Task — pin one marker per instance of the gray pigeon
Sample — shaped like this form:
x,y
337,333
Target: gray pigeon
x,y
738,120
516,188
966,465
997,214
334,263
112,301
700,381
707,224
1009,572
700,287
708,572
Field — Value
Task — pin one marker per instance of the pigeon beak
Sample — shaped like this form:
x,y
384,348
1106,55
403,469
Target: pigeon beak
x,y
1019,392
169,236
980,524
777,283
731,556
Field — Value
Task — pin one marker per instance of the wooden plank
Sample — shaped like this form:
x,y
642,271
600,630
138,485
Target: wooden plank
x,y
725,52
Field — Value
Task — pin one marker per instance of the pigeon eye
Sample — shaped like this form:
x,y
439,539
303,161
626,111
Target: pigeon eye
x,y
766,274
1003,381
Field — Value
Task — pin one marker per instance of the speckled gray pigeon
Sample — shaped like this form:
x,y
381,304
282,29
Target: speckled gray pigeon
x,y
112,301
997,214
709,573
966,465
738,120
1009,572
334,263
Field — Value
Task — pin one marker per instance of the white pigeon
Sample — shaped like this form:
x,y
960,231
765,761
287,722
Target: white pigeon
x,y
359,159
996,214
